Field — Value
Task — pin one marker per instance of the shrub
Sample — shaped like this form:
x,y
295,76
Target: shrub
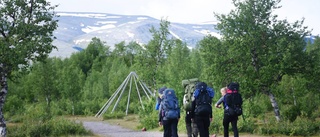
x,y
291,112
150,121
148,116
14,105
246,124
300,127
52,127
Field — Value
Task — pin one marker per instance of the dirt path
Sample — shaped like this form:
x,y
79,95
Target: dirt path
x,y
105,129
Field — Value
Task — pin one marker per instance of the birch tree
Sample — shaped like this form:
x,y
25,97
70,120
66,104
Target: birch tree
x,y
157,49
26,35
262,49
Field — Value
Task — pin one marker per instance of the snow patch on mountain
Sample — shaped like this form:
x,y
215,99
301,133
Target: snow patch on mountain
x,y
130,34
76,30
175,35
89,29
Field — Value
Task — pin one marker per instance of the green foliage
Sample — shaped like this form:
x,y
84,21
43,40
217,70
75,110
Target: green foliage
x,y
148,116
291,112
154,55
92,57
35,122
90,107
256,106
180,54
25,35
300,99
126,52
246,125
212,56
300,127
44,83
216,124
259,49
75,77
313,72
53,127
117,74
58,108
16,105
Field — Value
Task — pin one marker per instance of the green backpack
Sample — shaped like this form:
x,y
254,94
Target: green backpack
x,y
189,86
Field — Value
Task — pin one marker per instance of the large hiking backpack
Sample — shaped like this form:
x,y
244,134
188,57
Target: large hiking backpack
x,y
233,100
190,86
170,105
203,97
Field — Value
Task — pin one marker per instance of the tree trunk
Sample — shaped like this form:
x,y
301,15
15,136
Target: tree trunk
x,y
274,105
3,93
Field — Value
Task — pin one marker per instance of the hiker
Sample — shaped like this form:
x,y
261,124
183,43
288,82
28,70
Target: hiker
x,y
159,98
201,112
223,92
231,96
189,85
169,113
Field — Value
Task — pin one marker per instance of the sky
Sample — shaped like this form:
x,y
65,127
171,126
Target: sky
x,y
190,11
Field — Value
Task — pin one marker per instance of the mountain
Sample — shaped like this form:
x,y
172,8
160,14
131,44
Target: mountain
x,y
75,30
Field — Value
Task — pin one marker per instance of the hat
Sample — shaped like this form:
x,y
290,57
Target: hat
x,y
162,89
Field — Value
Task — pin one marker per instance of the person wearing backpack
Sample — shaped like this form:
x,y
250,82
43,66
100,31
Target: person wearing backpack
x,y
232,103
189,85
169,113
201,112
223,92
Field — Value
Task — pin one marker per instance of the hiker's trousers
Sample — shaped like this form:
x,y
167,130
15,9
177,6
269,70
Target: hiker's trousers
x,y
233,120
192,129
203,123
170,128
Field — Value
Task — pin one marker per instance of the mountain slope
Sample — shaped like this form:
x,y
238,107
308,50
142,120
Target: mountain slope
x,y
76,30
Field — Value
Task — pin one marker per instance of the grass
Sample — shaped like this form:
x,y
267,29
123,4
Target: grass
x,y
130,122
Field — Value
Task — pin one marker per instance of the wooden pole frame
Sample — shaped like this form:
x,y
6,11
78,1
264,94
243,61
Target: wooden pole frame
x,y
133,78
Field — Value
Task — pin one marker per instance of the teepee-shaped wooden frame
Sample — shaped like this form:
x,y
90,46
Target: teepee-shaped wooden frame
x,y
132,77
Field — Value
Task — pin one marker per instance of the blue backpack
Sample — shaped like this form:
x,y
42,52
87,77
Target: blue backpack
x,y
170,105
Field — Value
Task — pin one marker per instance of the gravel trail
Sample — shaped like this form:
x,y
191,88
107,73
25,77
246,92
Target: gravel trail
x,y
104,129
